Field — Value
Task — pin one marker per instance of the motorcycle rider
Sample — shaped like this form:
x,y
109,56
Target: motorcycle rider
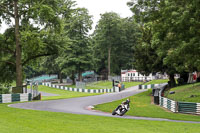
x,y
122,105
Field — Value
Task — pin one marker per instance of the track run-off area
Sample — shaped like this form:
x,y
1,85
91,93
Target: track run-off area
x,y
83,105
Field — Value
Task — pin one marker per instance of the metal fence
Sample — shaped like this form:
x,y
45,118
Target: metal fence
x,y
80,84
189,107
129,79
116,78
114,89
168,104
181,107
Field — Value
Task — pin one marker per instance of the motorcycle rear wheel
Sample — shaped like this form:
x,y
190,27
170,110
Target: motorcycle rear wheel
x,y
122,112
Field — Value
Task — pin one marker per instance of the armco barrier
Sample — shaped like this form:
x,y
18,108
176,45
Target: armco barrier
x,y
8,98
168,104
189,107
147,86
116,89
181,107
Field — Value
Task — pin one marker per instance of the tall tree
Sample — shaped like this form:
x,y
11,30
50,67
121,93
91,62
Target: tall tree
x,y
76,56
32,19
114,38
106,33
129,34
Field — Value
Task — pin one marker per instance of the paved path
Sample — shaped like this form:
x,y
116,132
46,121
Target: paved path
x,y
82,105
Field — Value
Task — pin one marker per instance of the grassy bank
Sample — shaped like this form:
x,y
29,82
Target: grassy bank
x,y
96,85
186,93
28,121
158,81
106,85
130,84
141,106
61,93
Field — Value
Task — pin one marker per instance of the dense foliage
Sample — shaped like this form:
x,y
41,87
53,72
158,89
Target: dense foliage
x,y
114,38
28,37
171,35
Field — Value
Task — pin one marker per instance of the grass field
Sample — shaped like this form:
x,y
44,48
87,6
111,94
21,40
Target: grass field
x,y
141,106
158,81
186,93
96,85
62,93
100,85
106,85
29,121
130,84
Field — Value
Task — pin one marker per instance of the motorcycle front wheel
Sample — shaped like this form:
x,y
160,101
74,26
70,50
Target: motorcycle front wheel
x,y
114,112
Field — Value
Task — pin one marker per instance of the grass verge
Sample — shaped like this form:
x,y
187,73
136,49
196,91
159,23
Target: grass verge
x,y
96,85
130,84
186,93
61,93
141,106
157,81
106,85
99,85
15,120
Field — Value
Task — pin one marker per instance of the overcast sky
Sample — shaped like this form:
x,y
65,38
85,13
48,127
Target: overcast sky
x,y
97,7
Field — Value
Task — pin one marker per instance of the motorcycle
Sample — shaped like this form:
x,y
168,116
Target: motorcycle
x,y
122,108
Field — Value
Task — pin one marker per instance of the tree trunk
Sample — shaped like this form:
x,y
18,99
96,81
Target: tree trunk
x,y
172,82
60,77
109,51
18,49
73,78
80,75
184,76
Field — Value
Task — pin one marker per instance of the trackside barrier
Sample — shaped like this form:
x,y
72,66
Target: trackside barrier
x,y
168,104
150,86
115,89
180,107
189,108
8,98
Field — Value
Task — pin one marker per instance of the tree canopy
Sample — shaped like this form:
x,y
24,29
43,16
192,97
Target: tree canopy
x,y
173,34
114,38
33,22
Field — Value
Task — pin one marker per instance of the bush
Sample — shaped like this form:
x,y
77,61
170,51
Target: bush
x,y
4,89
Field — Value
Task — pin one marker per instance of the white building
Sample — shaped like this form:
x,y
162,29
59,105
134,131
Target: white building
x,y
133,75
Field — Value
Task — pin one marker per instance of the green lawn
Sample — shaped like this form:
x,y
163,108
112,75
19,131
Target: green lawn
x,y
157,81
186,93
96,85
130,84
62,93
141,106
100,85
106,85
14,120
